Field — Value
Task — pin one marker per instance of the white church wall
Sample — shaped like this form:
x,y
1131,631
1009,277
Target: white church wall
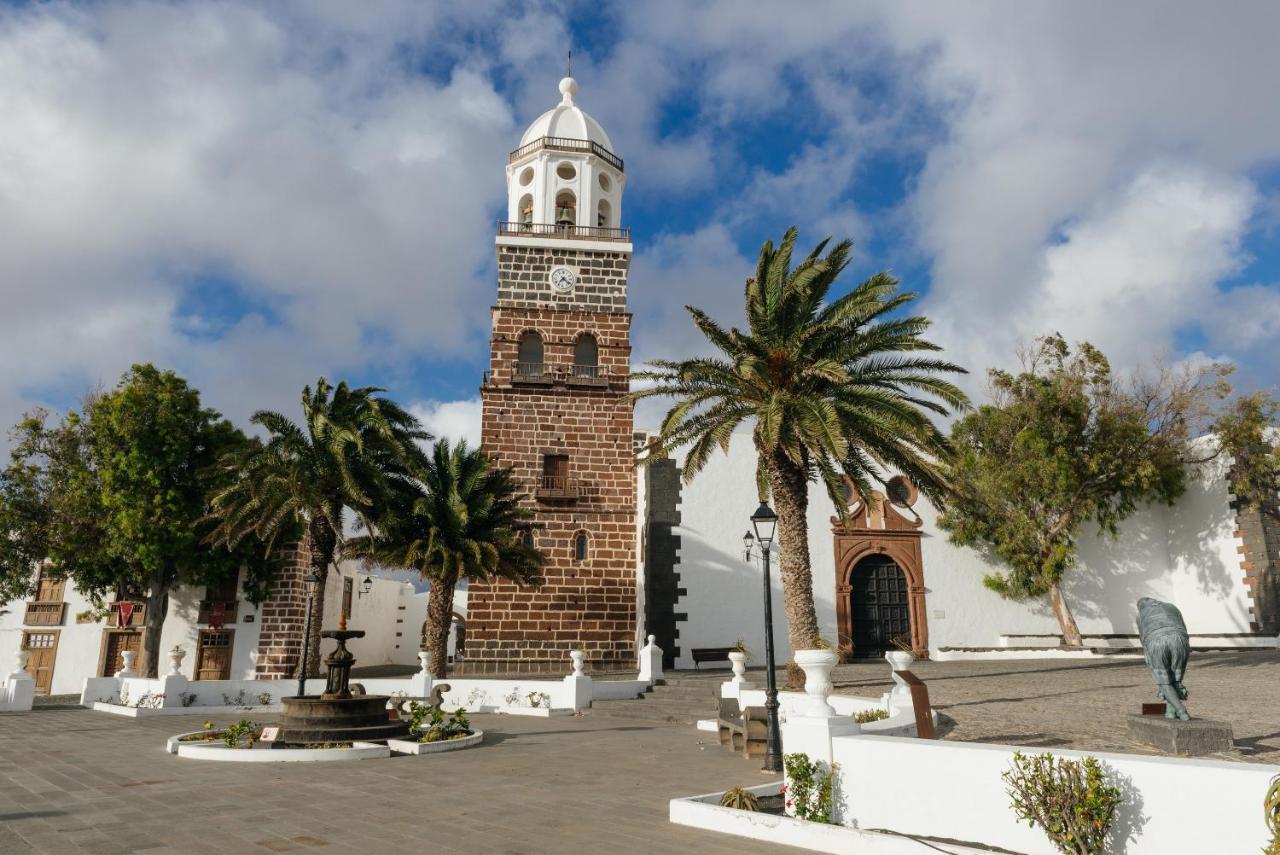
x,y
375,613
1185,554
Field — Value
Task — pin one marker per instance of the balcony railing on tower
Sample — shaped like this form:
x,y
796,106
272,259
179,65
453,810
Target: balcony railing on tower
x,y
559,487
566,144
514,229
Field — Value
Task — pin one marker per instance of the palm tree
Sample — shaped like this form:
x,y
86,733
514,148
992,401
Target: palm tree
x,y
460,517
835,390
297,485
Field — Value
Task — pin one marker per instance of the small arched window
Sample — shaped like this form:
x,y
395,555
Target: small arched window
x,y
566,208
586,356
526,537
529,359
604,213
580,546
525,210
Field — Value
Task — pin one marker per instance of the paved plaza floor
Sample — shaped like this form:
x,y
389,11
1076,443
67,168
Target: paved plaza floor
x,y
1083,704
75,781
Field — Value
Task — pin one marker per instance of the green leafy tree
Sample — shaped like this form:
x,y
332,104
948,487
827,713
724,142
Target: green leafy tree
x,y
457,517
837,390
1063,445
300,481
115,498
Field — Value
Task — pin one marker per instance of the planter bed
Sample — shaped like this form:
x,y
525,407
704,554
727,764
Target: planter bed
x,y
146,712
217,750
540,712
705,812
410,746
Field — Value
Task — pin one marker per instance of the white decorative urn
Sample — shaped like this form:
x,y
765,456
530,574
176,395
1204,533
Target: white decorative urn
x,y
20,662
817,665
738,661
576,657
176,655
127,671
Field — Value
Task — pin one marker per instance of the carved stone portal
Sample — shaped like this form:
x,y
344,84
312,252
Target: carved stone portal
x,y
876,541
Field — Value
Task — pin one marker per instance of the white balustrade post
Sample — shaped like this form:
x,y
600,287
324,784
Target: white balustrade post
x,y
651,663
423,680
174,684
812,723
900,696
19,688
252,672
578,684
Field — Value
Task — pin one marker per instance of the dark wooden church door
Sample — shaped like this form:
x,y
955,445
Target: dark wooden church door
x,y
878,608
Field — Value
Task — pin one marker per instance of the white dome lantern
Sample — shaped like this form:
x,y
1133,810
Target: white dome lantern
x,y
564,179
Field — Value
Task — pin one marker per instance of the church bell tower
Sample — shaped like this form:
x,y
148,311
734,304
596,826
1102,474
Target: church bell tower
x,y
555,403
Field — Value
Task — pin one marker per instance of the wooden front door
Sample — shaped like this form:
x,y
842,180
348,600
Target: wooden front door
x,y
115,644
43,648
213,655
878,606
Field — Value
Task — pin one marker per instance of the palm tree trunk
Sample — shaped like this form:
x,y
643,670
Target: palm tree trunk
x,y
1070,632
324,542
439,617
790,490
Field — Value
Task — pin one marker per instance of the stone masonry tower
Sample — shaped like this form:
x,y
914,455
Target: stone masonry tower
x,y
555,405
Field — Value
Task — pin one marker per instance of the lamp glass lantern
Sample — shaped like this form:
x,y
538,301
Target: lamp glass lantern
x,y
765,522
312,581
366,584
748,541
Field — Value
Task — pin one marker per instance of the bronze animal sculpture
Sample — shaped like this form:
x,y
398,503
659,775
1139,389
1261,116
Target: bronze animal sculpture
x,y
1166,647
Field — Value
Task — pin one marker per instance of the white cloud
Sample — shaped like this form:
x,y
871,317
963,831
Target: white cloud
x,y
452,420
291,148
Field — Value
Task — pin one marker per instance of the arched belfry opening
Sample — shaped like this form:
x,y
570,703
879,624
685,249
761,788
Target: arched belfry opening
x,y
566,208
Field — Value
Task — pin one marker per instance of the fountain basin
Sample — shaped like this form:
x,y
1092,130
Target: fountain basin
x,y
313,719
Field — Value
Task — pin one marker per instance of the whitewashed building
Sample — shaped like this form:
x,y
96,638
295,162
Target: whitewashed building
x,y
67,641
892,576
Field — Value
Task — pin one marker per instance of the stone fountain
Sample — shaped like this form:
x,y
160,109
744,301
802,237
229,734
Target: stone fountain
x,y
337,715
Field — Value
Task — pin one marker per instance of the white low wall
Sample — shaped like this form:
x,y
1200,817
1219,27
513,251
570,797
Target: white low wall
x,y
954,790
573,692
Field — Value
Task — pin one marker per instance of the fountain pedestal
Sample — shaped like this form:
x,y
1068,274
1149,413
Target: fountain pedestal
x,y
337,715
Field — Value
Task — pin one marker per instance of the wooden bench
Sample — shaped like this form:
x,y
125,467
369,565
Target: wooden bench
x,y
710,654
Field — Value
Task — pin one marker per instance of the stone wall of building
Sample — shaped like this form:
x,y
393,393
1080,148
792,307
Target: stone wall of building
x,y
282,618
602,278
586,603
1259,533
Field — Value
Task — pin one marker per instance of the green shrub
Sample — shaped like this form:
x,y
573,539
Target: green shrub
x,y
870,715
1067,799
810,788
1271,811
739,798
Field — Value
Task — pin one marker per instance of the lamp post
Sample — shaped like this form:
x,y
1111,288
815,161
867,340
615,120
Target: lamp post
x,y
311,581
366,585
765,523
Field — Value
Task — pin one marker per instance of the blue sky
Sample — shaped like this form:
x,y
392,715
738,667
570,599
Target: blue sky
x,y
257,194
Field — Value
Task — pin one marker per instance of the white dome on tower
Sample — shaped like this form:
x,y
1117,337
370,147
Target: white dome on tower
x,y
567,121
564,180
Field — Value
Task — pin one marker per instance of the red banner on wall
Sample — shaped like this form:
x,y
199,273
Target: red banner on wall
x,y
125,611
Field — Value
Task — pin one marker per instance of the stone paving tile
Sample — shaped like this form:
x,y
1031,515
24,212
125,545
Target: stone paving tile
x,y
1084,703
76,781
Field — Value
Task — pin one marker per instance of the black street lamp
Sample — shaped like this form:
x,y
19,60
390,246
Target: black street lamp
x,y
366,585
765,522
311,581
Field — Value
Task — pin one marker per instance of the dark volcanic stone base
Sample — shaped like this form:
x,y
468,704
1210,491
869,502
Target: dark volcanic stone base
x,y
311,720
1188,738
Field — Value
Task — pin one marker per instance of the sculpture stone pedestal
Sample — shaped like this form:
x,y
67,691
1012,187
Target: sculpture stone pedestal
x,y
1186,738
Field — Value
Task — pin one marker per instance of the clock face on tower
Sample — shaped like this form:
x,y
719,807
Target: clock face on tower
x,y
563,279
